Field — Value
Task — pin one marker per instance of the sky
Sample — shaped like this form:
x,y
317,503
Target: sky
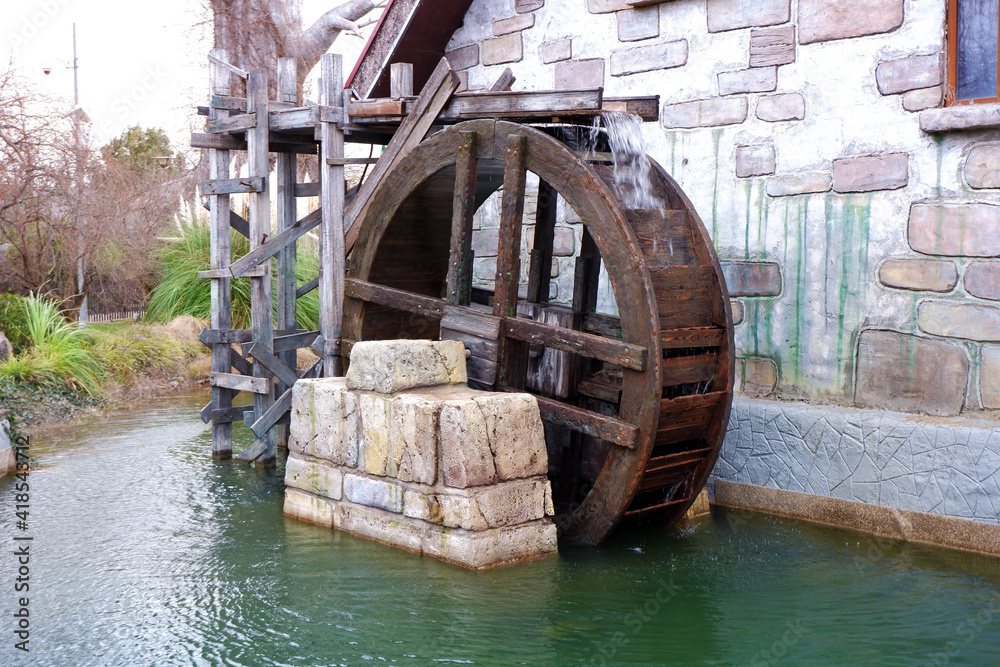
x,y
140,63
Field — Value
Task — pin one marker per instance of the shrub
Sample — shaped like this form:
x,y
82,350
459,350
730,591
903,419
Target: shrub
x,y
14,322
181,292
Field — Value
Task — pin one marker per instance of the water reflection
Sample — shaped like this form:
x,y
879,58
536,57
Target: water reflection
x,y
146,552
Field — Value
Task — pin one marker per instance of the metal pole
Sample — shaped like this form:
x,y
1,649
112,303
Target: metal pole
x,y
80,262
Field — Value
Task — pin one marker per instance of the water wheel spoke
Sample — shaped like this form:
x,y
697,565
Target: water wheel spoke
x,y
459,286
570,340
602,427
540,267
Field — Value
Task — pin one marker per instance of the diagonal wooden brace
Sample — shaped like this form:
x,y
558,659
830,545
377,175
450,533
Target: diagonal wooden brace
x,y
275,244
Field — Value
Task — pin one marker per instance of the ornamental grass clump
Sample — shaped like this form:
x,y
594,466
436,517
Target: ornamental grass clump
x,y
58,352
181,292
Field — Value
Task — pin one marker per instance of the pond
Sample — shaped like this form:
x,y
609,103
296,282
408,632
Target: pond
x,y
145,552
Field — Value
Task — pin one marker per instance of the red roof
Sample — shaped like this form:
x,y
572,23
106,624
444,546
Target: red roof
x,y
409,31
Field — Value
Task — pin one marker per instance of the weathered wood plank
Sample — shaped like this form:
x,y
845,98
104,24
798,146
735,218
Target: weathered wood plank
x,y
504,81
540,266
307,189
512,210
219,57
523,105
594,424
332,250
433,97
578,342
695,368
693,337
238,124
308,287
241,226
255,385
400,80
256,272
366,108
230,415
279,370
459,281
278,409
280,241
395,298
261,310
234,185
292,342
225,336
223,142
342,161
646,108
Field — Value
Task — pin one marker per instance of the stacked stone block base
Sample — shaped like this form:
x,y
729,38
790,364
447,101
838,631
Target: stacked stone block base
x,y
402,452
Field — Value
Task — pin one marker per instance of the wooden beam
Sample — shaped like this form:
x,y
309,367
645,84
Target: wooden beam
x,y
277,410
220,220
395,298
279,370
292,342
255,272
603,427
218,57
307,189
369,108
512,209
238,124
234,186
400,80
229,415
646,108
505,81
463,208
237,222
342,161
308,287
527,104
569,340
222,142
256,385
225,336
439,89
332,253
540,266
261,309
275,244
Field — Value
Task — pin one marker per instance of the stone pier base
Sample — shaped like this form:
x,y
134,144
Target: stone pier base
x,y
402,452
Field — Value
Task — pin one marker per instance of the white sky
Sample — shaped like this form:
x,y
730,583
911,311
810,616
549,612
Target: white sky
x,y
139,62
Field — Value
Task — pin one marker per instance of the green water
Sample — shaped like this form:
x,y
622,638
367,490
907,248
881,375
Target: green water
x,y
147,553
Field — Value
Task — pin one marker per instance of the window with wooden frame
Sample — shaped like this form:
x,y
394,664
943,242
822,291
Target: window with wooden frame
x,y
973,51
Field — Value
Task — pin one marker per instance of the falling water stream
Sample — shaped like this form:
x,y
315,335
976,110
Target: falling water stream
x,y
145,552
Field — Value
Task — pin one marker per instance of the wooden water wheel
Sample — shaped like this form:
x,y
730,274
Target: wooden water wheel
x,y
636,405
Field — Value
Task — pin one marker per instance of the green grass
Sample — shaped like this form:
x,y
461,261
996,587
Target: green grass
x,y
181,292
13,321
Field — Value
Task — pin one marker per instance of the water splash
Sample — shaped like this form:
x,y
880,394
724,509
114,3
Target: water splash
x,y
632,167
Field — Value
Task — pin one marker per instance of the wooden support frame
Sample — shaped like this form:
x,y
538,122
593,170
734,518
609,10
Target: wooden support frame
x,y
332,253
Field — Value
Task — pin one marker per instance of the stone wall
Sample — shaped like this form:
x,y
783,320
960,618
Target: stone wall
x,y
401,451
859,220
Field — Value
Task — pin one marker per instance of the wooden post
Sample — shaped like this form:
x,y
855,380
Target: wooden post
x,y
463,210
332,193
222,316
287,215
540,268
262,452
400,80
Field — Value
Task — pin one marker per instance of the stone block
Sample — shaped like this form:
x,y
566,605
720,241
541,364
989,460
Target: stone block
x,y
314,476
926,98
495,546
961,230
734,14
636,24
648,58
500,50
736,311
380,526
786,106
375,411
705,113
373,492
465,455
982,279
6,348
557,51
753,80
907,373
325,421
463,81
485,242
757,160
752,278
929,275
413,433
463,57
423,506
982,167
899,76
799,184
577,74
870,173
522,6
825,20
394,365
513,24
989,377
760,377
563,243
965,117
461,511
516,437
607,6
485,269
772,46
513,503
308,507
959,320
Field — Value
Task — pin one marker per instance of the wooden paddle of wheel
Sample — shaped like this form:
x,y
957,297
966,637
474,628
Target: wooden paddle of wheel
x,y
635,406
